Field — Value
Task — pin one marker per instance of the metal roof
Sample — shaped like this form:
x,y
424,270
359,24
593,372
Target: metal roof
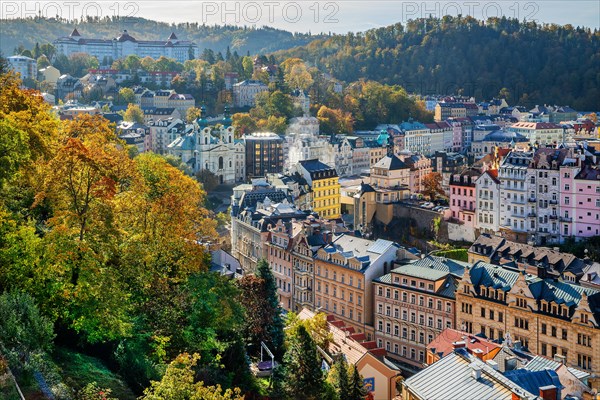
x,y
452,377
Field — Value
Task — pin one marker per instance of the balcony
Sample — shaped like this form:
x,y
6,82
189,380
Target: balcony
x,y
531,200
566,219
532,215
553,202
553,216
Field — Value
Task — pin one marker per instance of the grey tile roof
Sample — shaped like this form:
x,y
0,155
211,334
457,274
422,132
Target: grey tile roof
x,y
452,378
493,276
390,163
540,363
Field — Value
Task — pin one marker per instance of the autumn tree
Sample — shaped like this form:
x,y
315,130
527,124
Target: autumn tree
x,y
126,96
432,185
243,123
334,121
134,114
14,149
179,383
316,326
193,113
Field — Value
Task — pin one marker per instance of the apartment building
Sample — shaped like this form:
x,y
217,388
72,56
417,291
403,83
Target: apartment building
x,y
547,316
487,213
412,305
324,184
264,153
344,272
513,195
463,197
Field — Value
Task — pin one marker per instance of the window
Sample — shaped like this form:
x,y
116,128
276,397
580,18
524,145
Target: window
x,y
544,330
482,312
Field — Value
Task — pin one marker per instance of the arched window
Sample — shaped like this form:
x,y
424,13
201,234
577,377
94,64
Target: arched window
x,y
220,162
205,140
230,164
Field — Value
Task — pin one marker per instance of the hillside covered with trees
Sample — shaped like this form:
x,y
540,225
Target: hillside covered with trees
x,y
26,32
537,63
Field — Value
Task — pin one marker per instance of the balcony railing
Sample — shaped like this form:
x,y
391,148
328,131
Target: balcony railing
x,y
531,199
566,219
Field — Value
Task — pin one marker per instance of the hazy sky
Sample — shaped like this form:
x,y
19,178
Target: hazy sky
x,y
311,15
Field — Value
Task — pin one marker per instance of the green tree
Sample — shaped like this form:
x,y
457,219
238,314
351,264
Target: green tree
x,y
23,330
276,323
14,150
303,376
208,179
132,62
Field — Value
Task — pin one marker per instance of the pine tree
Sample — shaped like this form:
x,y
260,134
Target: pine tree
x,y
264,272
338,376
303,375
357,387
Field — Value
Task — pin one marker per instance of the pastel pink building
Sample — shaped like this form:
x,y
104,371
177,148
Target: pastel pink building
x,y
463,197
586,200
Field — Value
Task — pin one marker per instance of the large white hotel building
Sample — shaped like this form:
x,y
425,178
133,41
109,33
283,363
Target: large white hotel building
x,y
124,45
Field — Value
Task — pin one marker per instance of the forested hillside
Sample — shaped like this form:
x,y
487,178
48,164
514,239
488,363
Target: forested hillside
x,y
27,32
536,63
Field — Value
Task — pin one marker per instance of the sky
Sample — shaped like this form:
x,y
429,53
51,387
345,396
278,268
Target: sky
x,y
311,15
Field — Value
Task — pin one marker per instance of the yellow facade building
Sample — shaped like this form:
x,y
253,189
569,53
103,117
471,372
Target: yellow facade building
x,y
325,187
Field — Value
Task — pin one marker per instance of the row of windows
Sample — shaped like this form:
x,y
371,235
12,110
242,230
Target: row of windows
x,y
350,314
413,353
413,299
342,293
492,314
419,337
342,277
413,317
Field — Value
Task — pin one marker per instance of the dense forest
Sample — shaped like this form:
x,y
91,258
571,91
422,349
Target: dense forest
x,y
26,32
537,63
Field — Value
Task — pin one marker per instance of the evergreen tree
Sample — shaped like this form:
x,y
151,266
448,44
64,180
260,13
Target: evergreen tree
x,y
275,330
338,377
357,387
303,375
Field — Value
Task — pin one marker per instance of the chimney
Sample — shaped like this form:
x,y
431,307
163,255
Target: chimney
x,y
493,364
549,392
478,353
476,372
459,345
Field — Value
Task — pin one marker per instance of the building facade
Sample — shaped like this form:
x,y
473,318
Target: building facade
x,y
547,316
344,272
412,305
264,153
124,45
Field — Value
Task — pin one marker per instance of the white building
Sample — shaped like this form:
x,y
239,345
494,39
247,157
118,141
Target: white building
x,y
245,92
124,45
164,132
542,133
487,212
417,137
513,195
308,146
216,150
24,66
